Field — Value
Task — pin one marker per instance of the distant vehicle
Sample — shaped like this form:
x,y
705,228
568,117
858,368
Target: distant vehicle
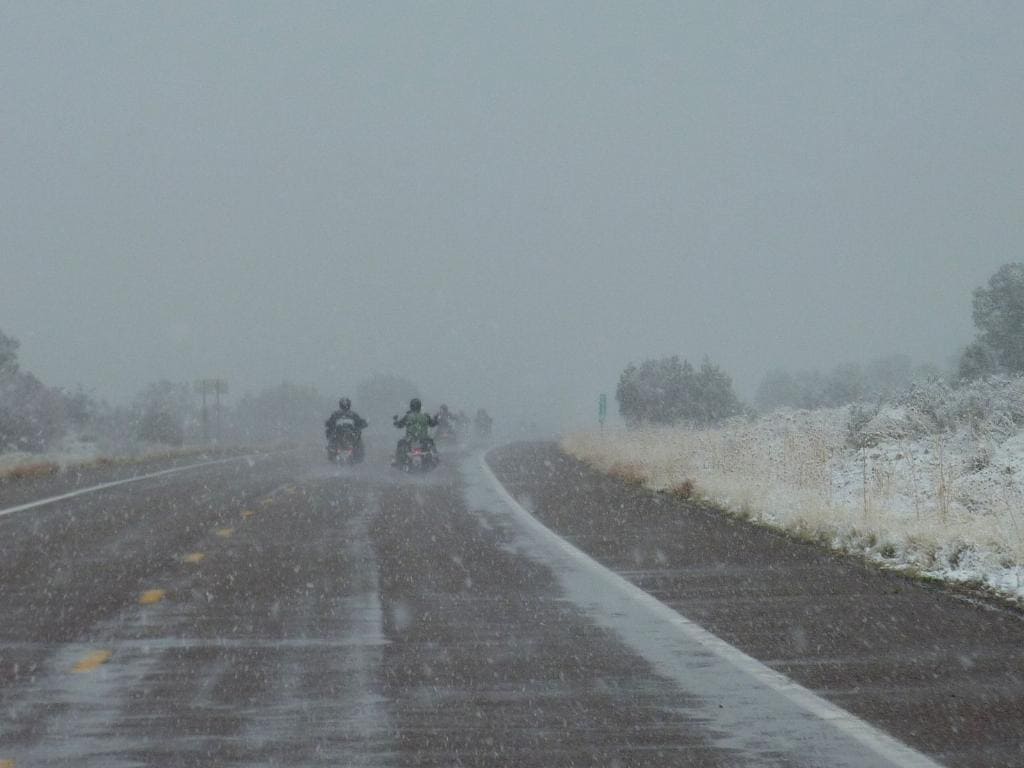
x,y
482,424
447,425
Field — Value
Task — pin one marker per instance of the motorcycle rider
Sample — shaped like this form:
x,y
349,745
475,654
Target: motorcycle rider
x,y
445,422
346,417
482,422
416,425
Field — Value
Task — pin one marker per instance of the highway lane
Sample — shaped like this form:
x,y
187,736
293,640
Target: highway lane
x,y
284,612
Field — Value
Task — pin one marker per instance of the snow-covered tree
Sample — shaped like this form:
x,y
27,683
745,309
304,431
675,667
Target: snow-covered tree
x,y
999,318
31,414
977,361
8,354
161,412
878,380
669,390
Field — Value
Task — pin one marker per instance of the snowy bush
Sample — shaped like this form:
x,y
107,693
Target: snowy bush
x,y
669,391
932,480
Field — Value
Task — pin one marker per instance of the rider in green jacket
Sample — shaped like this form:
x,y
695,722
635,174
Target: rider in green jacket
x,y
417,427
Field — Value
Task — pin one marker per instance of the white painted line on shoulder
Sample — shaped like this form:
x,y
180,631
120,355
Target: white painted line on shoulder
x,y
102,486
871,738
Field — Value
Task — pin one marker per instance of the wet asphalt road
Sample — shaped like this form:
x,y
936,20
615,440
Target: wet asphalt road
x,y
942,672
279,611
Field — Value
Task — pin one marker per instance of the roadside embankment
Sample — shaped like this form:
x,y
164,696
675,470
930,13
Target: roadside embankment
x,y
945,506
22,466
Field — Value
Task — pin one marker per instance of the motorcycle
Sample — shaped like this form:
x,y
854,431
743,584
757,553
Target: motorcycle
x,y
419,456
344,445
445,433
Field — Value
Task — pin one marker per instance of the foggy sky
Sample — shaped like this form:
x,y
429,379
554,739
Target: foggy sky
x,y
506,202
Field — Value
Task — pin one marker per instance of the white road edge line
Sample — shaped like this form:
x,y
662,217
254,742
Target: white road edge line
x,y
879,742
135,479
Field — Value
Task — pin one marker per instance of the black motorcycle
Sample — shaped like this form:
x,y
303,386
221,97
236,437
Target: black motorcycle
x,y
416,455
344,444
445,433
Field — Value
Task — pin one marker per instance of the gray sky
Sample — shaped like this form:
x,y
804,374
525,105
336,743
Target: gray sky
x,y
505,201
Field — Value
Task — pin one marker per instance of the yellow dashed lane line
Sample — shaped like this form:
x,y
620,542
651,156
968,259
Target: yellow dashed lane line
x,y
92,661
6,764
151,596
195,557
225,532
245,516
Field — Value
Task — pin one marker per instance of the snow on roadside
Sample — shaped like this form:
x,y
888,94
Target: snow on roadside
x,y
74,452
946,503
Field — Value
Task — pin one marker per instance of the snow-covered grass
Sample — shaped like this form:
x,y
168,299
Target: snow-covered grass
x,y
921,484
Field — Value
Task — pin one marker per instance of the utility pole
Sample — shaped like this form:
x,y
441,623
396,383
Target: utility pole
x,y
215,387
201,389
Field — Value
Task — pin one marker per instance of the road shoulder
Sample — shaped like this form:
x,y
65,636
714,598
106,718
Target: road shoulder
x,y
939,673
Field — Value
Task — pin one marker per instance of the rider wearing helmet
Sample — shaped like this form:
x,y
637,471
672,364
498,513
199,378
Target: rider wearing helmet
x,y
447,424
346,414
482,422
445,418
416,425
343,418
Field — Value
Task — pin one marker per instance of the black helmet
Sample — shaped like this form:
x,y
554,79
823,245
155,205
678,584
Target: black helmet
x,y
415,405
344,403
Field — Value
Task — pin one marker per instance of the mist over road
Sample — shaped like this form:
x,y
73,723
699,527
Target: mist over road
x,y
280,611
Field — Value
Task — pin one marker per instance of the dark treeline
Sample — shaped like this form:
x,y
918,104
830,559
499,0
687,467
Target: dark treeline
x,y
35,417
32,415
671,391
879,380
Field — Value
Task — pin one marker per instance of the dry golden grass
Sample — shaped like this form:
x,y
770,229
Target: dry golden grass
x,y
34,469
783,473
683,490
633,474
25,471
